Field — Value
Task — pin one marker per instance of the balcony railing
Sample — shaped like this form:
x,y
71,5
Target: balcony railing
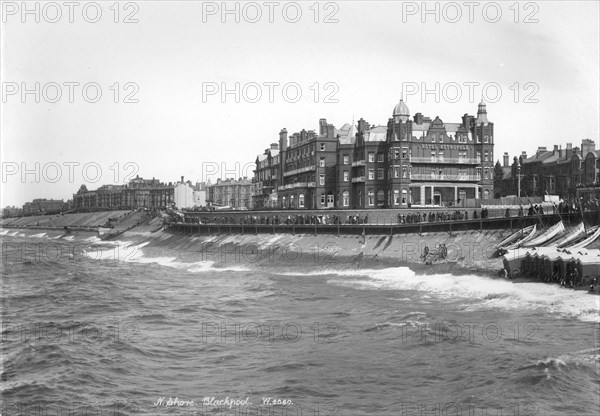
x,y
459,160
297,185
358,179
301,170
358,163
445,177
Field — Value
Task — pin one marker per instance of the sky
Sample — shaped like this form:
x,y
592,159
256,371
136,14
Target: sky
x,y
99,92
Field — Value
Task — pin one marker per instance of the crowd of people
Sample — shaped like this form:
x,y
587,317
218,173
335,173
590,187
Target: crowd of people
x,y
277,219
411,217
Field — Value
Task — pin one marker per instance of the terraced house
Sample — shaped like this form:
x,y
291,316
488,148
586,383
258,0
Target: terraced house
x,y
407,162
560,171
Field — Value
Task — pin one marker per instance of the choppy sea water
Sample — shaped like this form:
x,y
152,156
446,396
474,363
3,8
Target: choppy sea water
x,y
133,328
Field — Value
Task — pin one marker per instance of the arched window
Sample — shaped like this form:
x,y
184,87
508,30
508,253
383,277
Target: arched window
x,y
301,200
404,197
292,201
396,197
486,194
346,198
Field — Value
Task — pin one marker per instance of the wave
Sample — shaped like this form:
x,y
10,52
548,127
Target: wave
x,y
489,292
133,253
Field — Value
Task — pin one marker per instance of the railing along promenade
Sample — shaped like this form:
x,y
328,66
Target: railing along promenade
x,y
372,227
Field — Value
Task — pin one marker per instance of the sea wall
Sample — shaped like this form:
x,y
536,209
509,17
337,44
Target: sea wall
x,y
471,250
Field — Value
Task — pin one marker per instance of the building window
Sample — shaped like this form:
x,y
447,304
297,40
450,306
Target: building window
x,y
396,153
371,174
346,176
404,197
360,200
486,156
322,146
441,137
404,153
322,162
440,155
478,156
380,157
486,194
346,198
371,157
371,198
396,197
380,197
321,179
433,155
322,199
478,173
486,139
301,200
379,173
346,160
404,172
486,172
396,172
433,137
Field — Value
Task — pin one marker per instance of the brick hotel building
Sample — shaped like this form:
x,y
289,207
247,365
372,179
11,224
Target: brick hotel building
x,y
415,161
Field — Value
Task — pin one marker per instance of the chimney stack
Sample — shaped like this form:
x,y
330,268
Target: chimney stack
x,y
523,155
181,178
505,159
569,151
587,146
283,139
322,127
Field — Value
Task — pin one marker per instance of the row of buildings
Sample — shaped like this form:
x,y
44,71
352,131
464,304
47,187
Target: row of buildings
x,y
141,193
233,193
409,161
569,173
146,193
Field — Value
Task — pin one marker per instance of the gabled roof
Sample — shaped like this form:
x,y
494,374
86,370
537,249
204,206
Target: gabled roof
x,y
347,135
538,157
376,134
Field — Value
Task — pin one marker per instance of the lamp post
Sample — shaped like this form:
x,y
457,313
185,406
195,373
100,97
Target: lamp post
x,y
519,180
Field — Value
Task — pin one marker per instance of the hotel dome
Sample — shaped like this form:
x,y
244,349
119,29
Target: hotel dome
x,y
401,111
